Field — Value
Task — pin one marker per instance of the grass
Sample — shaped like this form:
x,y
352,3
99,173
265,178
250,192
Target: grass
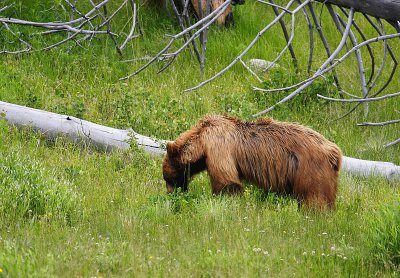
x,y
87,213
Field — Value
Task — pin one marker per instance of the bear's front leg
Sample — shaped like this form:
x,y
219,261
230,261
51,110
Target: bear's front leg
x,y
226,188
224,177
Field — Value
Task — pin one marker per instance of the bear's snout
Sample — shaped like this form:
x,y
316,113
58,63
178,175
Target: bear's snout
x,y
170,188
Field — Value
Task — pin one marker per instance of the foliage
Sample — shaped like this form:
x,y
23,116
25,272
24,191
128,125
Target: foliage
x,y
29,192
385,239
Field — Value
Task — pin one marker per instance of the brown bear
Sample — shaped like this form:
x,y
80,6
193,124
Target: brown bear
x,y
278,156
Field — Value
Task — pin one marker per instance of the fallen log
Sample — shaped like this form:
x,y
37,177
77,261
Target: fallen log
x,y
53,125
107,138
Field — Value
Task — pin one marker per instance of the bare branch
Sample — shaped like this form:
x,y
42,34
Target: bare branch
x,y
311,36
324,42
380,123
132,31
360,64
260,33
395,142
285,33
6,7
251,71
319,71
360,100
48,24
28,46
209,19
338,61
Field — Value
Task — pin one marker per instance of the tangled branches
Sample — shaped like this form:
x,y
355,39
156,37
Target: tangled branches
x,y
81,26
342,18
357,40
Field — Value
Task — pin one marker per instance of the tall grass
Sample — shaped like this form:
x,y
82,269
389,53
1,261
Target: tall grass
x,y
67,210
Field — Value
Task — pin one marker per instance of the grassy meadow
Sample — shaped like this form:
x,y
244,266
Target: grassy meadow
x,y
67,210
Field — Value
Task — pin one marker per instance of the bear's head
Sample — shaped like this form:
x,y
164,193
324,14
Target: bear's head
x,y
174,170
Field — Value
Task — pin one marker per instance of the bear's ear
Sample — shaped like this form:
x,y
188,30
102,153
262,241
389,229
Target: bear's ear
x,y
172,148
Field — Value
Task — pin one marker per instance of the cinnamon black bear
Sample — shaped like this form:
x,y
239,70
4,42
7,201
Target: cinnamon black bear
x,y
277,156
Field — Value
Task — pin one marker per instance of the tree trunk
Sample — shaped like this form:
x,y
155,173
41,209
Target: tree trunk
x,y
107,138
386,9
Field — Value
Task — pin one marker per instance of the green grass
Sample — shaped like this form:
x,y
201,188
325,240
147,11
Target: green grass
x,y
67,210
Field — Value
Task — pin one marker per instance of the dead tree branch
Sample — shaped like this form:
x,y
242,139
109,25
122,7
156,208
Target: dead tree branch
x,y
79,26
380,123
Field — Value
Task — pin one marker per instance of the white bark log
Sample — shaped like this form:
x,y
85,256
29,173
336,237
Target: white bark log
x,y
53,125
366,168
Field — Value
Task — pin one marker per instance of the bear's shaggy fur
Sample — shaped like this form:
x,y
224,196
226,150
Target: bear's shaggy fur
x,y
277,156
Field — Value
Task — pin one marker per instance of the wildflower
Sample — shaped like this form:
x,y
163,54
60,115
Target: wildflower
x,y
324,233
266,253
333,248
304,253
246,229
1,270
256,249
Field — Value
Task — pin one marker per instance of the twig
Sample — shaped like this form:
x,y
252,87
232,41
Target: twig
x,y
251,71
6,7
324,42
311,37
132,31
272,4
28,46
361,69
72,16
285,33
203,36
361,99
392,143
380,31
380,123
288,44
371,55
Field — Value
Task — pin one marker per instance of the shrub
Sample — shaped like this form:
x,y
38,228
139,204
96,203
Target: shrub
x,y
28,191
